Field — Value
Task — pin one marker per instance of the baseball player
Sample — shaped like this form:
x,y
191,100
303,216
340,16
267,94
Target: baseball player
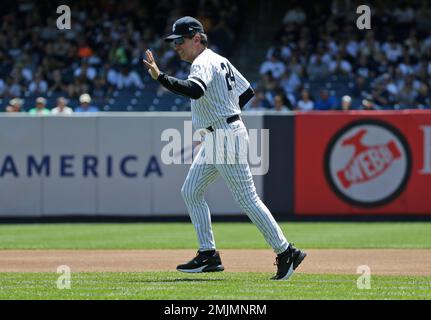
x,y
218,92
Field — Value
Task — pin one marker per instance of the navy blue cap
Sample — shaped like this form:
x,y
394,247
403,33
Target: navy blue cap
x,y
185,26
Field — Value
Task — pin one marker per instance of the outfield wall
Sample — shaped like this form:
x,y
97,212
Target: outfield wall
x,y
331,164
105,164
321,164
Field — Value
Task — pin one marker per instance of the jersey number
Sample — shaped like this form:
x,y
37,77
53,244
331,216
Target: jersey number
x,y
230,77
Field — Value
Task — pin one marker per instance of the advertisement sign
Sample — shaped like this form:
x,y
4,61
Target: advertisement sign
x,y
104,164
363,163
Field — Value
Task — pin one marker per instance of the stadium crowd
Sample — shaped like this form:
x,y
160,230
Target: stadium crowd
x,y
103,50
320,60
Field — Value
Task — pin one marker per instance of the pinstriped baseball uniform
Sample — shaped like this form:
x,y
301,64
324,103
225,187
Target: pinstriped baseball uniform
x,y
221,97
222,84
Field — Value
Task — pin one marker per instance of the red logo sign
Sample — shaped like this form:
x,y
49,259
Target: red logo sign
x,y
367,162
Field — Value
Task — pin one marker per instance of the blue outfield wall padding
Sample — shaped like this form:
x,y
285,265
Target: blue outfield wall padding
x,y
278,183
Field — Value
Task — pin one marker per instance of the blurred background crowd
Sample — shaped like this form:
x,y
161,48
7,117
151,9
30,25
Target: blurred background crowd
x,y
313,58
320,60
101,55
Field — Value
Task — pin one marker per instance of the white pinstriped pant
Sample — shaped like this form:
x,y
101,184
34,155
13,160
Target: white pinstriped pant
x,y
240,182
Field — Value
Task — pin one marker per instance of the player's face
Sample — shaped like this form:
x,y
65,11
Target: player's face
x,y
185,48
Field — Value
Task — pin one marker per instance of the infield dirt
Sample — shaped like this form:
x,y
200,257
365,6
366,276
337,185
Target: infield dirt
x,y
334,261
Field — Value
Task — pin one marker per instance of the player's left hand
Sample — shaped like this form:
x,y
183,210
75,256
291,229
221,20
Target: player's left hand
x,y
153,69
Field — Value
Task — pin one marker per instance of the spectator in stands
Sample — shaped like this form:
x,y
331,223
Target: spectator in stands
x,y
85,100
407,95
284,48
118,53
38,85
362,67
58,85
110,75
352,47
85,71
392,50
318,69
78,87
340,66
423,99
360,88
279,103
404,14
295,66
271,87
290,82
40,108
275,66
368,104
128,78
84,50
12,88
325,101
389,85
61,108
346,103
295,15
381,96
15,105
305,103
258,102
101,91
399,44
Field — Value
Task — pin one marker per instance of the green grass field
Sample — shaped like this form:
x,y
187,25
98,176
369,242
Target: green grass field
x,y
174,285
217,286
227,235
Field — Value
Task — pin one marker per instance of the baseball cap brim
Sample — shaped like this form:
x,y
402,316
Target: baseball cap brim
x,y
172,37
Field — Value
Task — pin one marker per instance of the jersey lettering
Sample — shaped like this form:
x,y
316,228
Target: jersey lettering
x,y
230,77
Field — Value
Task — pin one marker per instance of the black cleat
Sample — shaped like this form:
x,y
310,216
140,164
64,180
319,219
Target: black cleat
x,y
202,263
287,262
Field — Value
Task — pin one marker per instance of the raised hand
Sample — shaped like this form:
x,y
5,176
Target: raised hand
x,y
153,69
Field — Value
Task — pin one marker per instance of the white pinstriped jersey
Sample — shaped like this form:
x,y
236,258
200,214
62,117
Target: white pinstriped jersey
x,y
222,84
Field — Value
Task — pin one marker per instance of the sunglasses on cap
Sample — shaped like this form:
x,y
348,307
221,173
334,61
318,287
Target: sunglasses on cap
x,y
179,41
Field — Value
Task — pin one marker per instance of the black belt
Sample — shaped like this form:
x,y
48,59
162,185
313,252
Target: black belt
x,y
228,120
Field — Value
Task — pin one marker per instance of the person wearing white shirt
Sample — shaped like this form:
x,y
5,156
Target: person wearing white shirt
x,y
89,72
275,66
290,81
340,66
393,50
61,108
305,103
112,77
127,79
38,85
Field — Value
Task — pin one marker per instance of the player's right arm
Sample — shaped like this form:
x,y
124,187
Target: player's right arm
x,y
186,88
245,97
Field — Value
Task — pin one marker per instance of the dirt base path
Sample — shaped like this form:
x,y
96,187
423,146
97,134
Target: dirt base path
x,y
338,261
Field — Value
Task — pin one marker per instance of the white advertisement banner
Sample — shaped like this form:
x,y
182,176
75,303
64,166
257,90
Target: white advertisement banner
x,y
103,164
